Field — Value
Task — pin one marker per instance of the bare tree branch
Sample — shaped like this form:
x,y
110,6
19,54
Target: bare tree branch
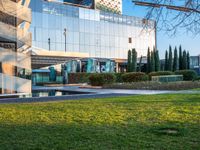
x,y
174,15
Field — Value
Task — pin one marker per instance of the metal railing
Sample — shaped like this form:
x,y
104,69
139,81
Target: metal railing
x,y
10,84
167,78
22,13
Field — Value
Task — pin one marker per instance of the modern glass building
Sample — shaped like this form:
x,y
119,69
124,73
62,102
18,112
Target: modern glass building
x,y
97,33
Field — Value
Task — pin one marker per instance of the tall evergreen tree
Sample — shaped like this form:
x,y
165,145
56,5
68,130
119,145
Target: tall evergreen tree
x,y
129,61
148,61
166,61
180,58
170,61
184,60
152,62
175,62
157,60
134,61
188,60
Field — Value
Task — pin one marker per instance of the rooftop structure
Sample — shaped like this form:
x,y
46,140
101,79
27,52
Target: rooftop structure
x,y
114,6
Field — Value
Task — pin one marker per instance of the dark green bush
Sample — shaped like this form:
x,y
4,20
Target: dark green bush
x,y
188,75
119,77
160,73
100,79
134,77
96,80
78,78
198,78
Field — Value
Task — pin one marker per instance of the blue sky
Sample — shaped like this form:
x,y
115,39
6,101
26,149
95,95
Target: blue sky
x,y
188,42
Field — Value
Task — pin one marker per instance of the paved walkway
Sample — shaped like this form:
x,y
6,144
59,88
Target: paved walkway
x,y
94,93
102,91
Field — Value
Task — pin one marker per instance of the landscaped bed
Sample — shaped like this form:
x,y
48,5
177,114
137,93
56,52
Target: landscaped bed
x,y
136,122
149,85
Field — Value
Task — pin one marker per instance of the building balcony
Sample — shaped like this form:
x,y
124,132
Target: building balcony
x,y
15,34
11,84
10,11
15,59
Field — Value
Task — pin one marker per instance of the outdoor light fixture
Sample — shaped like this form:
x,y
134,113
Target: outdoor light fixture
x,y
177,8
65,34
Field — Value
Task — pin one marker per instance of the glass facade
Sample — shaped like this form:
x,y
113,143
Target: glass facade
x,y
100,34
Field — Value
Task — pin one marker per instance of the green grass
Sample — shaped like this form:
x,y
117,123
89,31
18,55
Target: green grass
x,y
137,122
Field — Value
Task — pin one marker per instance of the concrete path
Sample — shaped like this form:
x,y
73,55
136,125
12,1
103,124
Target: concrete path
x,y
102,91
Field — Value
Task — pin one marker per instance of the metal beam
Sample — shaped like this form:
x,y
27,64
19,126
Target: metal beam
x,y
177,8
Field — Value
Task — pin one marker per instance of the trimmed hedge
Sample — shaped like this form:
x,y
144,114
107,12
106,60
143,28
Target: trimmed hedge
x,y
100,79
118,77
75,78
134,77
188,75
160,73
198,78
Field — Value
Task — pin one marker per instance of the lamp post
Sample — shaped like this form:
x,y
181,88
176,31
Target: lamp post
x,y
65,35
49,42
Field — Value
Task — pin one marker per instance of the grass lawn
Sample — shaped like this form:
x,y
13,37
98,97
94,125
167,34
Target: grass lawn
x,y
137,122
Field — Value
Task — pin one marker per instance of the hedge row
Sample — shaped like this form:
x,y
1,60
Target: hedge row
x,y
75,78
134,77
108,78
188,75
101,79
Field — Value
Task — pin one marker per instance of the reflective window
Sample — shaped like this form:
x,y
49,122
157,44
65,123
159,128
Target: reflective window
x,y
99,33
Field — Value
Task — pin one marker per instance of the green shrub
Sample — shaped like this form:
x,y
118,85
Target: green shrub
x,y
134,77
96,80
119,77
188,75
100,79
78,78
198,78
108,78
160,73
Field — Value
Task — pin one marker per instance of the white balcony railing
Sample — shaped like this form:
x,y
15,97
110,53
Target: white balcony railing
x,y
15,34
15,59
17,10
12,84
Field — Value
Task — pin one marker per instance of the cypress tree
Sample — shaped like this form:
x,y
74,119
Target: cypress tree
x,y
188,60
134,61
175,62
170,63
129,61
157,60
148,61
180,58
166,60
184,61
152,62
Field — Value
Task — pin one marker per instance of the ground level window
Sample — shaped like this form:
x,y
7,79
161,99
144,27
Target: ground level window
x,y
129,40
